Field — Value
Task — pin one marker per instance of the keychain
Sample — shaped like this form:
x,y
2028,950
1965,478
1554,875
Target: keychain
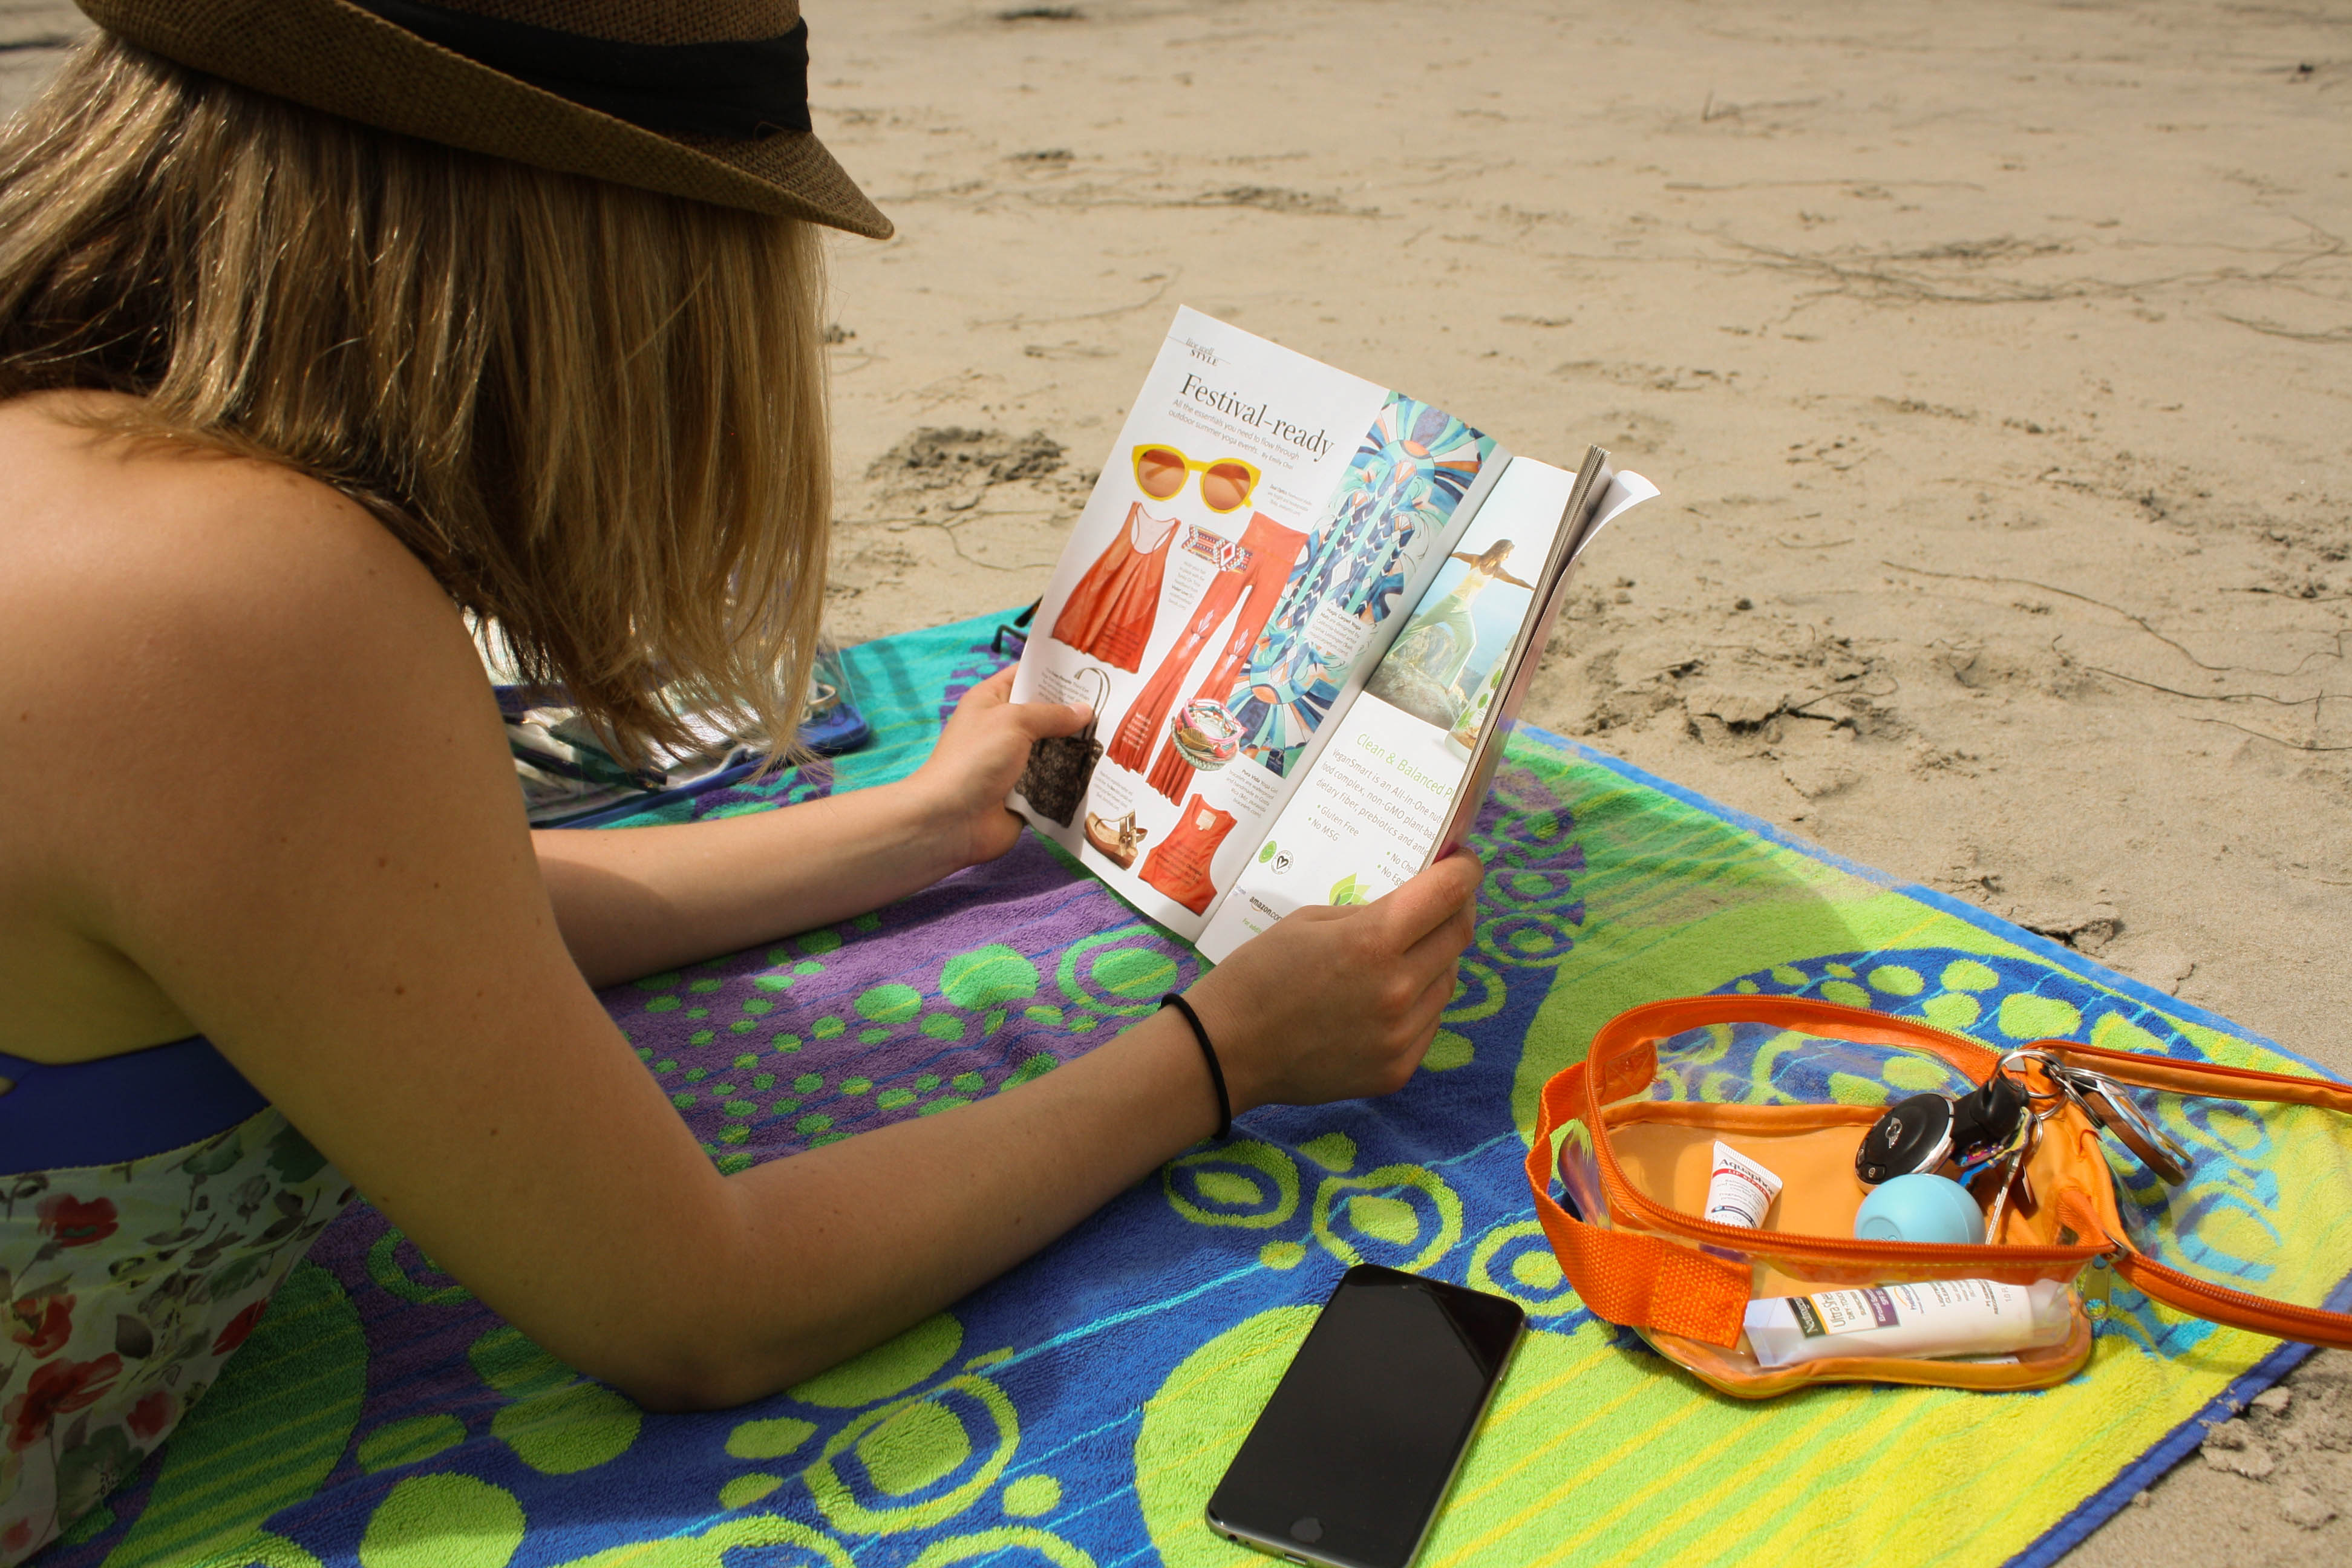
x,y
2111,1111
1936,1134
1996,1128
2010,1183
2013,1181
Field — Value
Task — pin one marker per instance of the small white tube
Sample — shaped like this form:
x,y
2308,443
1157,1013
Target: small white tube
x,y
1934,1317
1739,1191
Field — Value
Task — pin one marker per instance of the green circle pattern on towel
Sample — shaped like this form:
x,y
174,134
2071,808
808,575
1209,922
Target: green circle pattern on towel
x,y
559,1422
387,1268
1379,1216
910,1446
889,1368
443,1522
1530,1272
1247,1183
1121,974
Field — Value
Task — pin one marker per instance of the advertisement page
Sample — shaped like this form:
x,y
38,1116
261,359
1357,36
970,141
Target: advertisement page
x,y
1363,819
1260,518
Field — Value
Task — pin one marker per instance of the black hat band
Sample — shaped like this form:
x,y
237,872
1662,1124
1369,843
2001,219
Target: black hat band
x,y
748,88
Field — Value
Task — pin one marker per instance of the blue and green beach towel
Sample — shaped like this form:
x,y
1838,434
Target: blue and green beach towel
x,y
1078,1411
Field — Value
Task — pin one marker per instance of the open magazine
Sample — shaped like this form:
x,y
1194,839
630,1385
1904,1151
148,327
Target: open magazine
x,y
1305,610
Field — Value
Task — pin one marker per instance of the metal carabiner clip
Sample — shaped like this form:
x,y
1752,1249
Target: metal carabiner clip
x,y
2110,1109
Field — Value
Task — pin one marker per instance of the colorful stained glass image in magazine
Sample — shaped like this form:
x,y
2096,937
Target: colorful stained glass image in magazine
x,y
1397,494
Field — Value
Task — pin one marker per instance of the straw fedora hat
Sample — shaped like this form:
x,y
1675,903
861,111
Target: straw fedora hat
x,y
706,99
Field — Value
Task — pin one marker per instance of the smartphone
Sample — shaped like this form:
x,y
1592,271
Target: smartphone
x,y
1352,1457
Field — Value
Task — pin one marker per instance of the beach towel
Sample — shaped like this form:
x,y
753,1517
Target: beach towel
x,y
1079,1410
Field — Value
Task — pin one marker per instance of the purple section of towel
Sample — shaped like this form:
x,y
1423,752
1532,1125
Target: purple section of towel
x,y
997,973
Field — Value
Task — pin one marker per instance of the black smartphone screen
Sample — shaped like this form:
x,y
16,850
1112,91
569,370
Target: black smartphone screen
x,y
1354,1452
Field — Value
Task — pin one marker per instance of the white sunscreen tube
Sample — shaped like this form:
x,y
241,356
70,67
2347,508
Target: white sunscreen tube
x,y
1935,1318
1738,1190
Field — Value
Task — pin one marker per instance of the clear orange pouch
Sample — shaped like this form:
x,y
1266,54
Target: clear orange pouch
x,y
1635,1124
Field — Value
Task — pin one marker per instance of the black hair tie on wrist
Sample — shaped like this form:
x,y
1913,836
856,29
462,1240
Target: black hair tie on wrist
x,y
1216,1072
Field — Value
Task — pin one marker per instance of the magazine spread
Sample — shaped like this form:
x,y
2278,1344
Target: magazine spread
x,y
1270,535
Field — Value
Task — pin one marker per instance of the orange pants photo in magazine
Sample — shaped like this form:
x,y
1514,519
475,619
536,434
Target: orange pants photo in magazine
x,y
1247,589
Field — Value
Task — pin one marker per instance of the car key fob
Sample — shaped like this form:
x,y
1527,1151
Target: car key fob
x,y
1914,1136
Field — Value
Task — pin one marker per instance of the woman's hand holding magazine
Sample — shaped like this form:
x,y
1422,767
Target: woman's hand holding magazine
x,y
1339,1002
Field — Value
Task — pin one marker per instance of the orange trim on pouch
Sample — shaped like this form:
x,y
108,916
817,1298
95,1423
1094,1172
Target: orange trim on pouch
x,y
1650,1263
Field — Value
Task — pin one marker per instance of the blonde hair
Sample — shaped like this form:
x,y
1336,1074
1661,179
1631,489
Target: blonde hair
x,y
595,413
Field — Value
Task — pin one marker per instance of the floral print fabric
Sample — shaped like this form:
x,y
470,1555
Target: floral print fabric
x,y
123,1290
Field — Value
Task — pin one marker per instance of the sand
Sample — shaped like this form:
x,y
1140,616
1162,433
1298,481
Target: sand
x,y
1996,362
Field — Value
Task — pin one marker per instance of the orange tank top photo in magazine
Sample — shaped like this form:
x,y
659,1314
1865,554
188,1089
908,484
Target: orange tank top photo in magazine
x,y
1179,867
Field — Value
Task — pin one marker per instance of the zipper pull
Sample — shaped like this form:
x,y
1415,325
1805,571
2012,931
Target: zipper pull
x,y
2097,1283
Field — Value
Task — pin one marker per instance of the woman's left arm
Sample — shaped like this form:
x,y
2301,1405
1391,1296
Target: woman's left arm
x,y
637,900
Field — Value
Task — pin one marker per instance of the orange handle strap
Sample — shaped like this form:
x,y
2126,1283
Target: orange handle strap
x,y
1641,1281
2215,1303
2219,1304
1627,1042
2209,1078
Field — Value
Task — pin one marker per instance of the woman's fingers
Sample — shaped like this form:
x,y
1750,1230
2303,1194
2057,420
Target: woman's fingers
x,y
1437,957
1029,721
1441,944
1037,721
996,691
1433,1001
1423,906
1454,920
1416,1026
1048,719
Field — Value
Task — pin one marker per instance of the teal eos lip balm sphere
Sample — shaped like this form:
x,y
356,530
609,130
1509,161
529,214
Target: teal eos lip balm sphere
x,y
1934,1209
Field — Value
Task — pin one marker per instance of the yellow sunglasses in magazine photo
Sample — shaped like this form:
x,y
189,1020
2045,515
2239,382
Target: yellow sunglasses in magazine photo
x,y
1225,485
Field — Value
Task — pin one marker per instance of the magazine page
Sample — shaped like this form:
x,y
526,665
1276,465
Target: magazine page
x,y
1601,495
1367,817
1232,578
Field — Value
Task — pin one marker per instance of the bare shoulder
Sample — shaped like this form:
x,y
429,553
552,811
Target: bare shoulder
x,y
108,542
157,589
195,638
235,676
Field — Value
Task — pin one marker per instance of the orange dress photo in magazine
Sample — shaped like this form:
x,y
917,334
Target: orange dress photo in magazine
x,y
1111,613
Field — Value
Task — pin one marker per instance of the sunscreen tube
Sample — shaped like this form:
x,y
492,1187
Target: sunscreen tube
x,y
1738,1190
1933,1318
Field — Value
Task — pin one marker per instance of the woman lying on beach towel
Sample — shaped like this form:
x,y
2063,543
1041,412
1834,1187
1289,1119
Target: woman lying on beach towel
x,y
313,335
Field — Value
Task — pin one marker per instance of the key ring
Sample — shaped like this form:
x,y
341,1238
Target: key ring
x,y
2043,1102
2111,1110
2103,1102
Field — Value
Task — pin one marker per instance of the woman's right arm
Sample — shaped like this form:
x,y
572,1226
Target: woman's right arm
x,y
335,884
